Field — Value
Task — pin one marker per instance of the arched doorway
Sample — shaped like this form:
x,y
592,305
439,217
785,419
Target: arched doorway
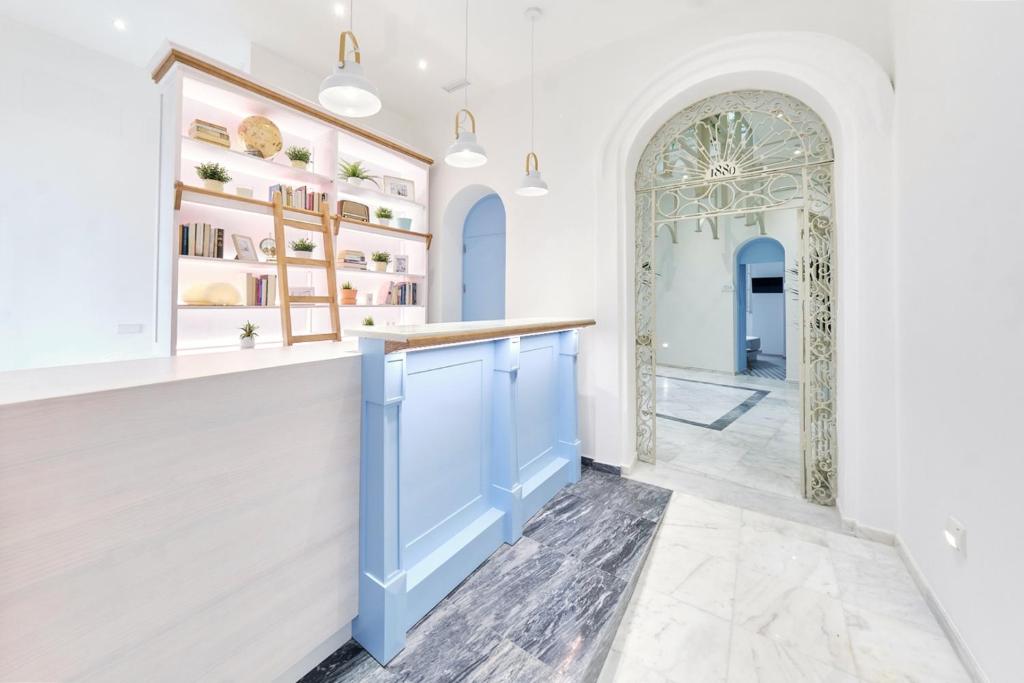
x,y
760,307
483,260
743,153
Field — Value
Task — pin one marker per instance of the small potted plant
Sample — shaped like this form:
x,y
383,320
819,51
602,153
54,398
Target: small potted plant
x,y
379,261
299,156
384,215
348,294
368,321
355,173
248,336
303,247
213,175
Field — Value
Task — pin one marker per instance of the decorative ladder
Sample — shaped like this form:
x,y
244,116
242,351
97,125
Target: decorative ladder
x,y
323,226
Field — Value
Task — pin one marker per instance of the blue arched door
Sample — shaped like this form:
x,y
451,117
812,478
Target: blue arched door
x,y
760,251
483,260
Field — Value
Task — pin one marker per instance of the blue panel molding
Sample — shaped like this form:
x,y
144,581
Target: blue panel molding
x,y
461,445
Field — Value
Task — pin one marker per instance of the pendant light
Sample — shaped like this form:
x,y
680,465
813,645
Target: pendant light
x,y
532,184
465,152
347,91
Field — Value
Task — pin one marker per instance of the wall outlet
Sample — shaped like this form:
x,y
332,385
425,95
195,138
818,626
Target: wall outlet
x,y
956,534
130,328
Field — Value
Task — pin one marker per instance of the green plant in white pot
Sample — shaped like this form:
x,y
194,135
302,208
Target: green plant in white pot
x,y
368,321
213,175
379,261
384,215
299,156
248,336
303,247
354,173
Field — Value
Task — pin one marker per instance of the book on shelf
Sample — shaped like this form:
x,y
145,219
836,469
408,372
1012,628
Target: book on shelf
x,y
298,197
352,259
260,290
200,239
399,294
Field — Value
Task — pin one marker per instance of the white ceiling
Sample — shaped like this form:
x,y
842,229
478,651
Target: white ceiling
x,y
394,34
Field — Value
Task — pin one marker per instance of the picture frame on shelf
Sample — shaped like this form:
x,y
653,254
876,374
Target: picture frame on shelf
x,y
401,263
245,250
400,187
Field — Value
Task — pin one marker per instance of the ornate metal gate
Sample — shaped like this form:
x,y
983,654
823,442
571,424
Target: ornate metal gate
x,y
733,154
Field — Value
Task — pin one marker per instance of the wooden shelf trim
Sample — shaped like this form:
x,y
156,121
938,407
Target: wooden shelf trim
x,y
382,229
176,56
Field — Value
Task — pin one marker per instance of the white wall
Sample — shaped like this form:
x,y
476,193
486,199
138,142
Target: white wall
x,y
203,528
959,246
78,206
695,290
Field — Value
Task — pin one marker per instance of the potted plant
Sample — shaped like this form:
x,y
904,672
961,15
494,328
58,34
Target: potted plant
x,y
248,336
299,156
355,173
348,294
384,215
303,247
368,321
213,175
379,261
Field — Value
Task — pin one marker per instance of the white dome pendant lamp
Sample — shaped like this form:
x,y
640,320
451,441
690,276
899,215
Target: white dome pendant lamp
x,y
347,92
465,152
532,184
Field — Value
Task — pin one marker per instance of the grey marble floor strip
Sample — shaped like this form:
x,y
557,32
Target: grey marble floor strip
x,y
544,609
727,419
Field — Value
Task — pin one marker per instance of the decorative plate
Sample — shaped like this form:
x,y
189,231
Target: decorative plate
x,y
260,136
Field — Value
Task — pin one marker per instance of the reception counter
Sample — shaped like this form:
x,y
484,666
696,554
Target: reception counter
x,y
467,430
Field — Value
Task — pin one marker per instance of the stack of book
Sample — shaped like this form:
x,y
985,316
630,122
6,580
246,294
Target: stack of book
x,y
260,290
209,132
201,239
298,197
352,259
400,294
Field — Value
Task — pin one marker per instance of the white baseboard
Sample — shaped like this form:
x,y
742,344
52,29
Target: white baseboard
x,y
959,644
319,654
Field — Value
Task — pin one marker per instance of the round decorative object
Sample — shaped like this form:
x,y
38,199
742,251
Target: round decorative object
x,y
269,247
211,294
260,135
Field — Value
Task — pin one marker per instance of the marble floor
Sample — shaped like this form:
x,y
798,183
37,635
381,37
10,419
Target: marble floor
x,y
742,430
544,609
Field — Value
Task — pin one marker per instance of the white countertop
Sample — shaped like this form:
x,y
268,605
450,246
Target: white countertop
x,y
398,337
17,386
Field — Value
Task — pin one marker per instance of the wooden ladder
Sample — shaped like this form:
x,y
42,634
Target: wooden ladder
x,y
323,226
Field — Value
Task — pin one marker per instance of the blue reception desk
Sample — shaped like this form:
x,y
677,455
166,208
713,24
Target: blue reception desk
x,y
468,429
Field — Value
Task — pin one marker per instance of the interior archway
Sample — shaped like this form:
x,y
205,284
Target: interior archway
x,y
483,260
734,154
755,252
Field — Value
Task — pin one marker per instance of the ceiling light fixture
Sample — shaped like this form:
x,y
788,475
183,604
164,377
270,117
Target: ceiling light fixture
x,y
465,152
120,25
532,184
347,91
339,9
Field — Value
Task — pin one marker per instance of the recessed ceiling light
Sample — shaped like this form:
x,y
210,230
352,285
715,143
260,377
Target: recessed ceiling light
x,y
120,25
339,9
797,152
422,64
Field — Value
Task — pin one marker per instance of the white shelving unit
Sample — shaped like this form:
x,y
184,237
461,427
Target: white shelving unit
x,y
195,87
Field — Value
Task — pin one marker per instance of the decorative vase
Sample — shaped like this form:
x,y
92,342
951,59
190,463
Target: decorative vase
x,y
298,163
405,223
384,221
247,342
348,296
355,181
379,266
215,185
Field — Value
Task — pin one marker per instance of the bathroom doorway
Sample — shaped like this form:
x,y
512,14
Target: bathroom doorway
x,y
483,260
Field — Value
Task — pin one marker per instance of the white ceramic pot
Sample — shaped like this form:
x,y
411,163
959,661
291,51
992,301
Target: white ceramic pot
x,y
297,163
379,266
355,181
247,342
384,221
302,254
215,185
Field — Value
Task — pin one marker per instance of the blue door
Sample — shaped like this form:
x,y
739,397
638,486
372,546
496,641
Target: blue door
x,y
483,261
